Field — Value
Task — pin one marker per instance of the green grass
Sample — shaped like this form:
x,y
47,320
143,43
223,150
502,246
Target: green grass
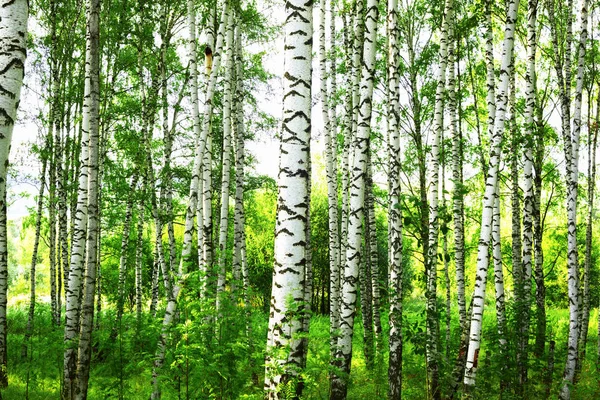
x,y
228,367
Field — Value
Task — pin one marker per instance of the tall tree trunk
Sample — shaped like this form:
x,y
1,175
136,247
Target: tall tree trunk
x,y
499,287
528,190
125,246
540,287
489,200
36,242
238,160
431,346
139,261
293,204
239,259
592,145
366,296
192,204
353,256
571,149
207,220
516,244
457,200
78,251
226,160
395,217
13,31
330,136
91,125
373,255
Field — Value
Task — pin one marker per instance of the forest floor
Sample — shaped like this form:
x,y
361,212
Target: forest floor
x,y
122,366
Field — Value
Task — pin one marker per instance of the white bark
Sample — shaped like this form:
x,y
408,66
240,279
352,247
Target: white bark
x,y
356,210
194,184
91,116
78,248
330,135
226,160
489,199
395,217
431,347
292,209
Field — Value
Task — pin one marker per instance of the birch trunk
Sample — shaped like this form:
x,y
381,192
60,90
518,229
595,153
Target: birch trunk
x,y
226,160
540,287
395,217
139,261
366,296
36,243
330,134
528,187
125,246
353,256
432,351
457,197
499,288
240,264
571,149
516,244
186,252
373,255
207,228
91,125
293,204
78,251
13,31
489,199
592,146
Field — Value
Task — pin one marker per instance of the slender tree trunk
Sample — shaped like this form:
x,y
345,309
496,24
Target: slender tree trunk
x,y
238,159
289,278
139,261
528,190
499,287
457,200
373,254
196,169
395,217
489,200
366,298
125,246
571,149
207,228
519,275
13,31
78,251
91,125
330,135
240,265
357,204
36,243
226,160
585,319
540,287
432,351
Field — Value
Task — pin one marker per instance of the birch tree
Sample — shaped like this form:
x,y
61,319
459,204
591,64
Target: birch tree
x,y
571,150
91,117
226,160
13,32
395,217
292,204
330,134
432,350
489,199
354,256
